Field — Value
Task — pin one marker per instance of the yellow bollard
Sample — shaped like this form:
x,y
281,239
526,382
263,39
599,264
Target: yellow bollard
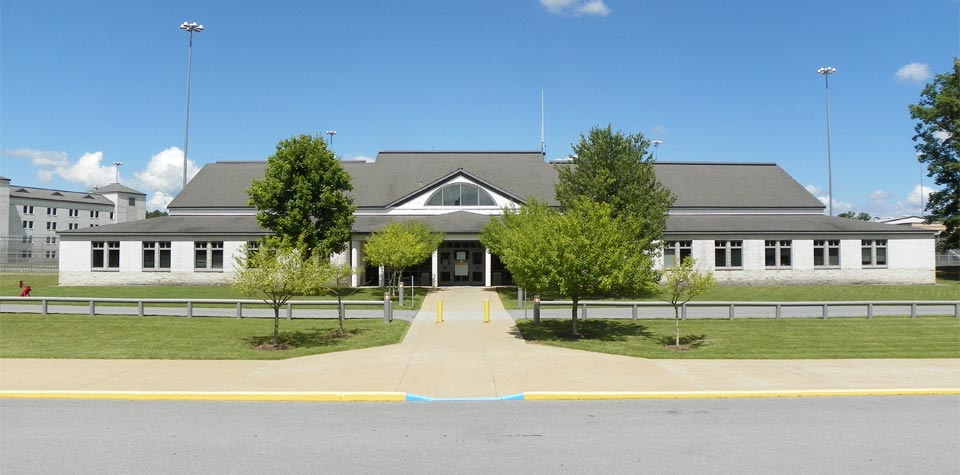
x,y
439,311
486,311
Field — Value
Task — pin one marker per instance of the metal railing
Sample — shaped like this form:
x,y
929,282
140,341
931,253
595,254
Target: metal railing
x,y
189,304
731,307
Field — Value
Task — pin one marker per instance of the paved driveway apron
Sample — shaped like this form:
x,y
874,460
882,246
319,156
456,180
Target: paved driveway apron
x,y
465,357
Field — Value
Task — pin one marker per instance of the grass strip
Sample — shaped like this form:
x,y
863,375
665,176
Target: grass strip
x,y
801,338
122,337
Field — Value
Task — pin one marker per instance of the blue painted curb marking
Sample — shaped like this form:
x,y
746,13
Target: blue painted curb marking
x,y
417,398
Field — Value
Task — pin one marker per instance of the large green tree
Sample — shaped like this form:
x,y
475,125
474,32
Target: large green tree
x,y
615,168
938,146
303,197
586,250
400,245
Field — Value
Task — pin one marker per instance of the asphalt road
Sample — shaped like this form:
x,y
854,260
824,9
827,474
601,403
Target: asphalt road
x,y
793,435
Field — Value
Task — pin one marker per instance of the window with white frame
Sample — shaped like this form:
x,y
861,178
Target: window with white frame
x,y
50,254
27,239
826,253
50,240
73,213
132,201
73,225
208,255
675,251
728,254
156,255
460,194
28,225
26,254
27,209
51,225
51,211
105,255
94,214
777,253
873,252
111,216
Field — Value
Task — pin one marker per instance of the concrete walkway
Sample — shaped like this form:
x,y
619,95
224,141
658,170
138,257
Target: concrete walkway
x,y
465,357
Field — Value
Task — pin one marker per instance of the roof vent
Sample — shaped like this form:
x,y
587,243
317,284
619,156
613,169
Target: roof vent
x,y
88,197
22,190
56,193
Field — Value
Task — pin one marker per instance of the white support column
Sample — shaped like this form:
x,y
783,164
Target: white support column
x,y
434,268
354,265
487,268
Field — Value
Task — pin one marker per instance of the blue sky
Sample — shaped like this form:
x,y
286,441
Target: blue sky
x,y
85,84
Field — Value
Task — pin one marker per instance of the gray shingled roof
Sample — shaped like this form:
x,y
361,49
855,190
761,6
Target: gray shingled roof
x,y
58,195
396,175
457,222
733,185
116,187
782,223
177,225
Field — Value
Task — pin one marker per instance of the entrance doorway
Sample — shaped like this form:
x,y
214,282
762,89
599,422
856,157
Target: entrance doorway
x,y
461,263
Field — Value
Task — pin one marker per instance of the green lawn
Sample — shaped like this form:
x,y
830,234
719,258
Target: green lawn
x,y
45,285
942,290
882,337
117,337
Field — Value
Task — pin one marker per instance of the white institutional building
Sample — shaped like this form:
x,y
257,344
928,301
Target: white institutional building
x,y
749,223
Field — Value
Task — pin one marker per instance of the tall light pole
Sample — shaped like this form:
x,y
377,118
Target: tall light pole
x,y
331,133
826,72
656,148
189,28
117,166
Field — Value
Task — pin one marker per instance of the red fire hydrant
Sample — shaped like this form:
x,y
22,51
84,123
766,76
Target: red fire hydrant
x,y
24,290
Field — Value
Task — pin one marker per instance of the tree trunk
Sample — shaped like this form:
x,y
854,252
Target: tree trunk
x,y
676,315
276,325
340,314
573,314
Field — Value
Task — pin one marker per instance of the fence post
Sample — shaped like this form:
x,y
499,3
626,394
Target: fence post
x,y
683,312
913,310
778,311
731,312
956,310
869,311
93,308
583,311
825,312
342,310
43,306
140,308
289,310
400,290
189,309
239,310
386,307
634,312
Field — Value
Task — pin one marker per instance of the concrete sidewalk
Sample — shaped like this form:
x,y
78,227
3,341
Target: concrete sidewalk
x,y
463,357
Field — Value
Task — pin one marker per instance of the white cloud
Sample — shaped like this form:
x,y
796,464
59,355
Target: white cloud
x,y
838,206
913,72
39,158
813,189
913,197
879,195
87,171
576,7
361,158
941,135
163,177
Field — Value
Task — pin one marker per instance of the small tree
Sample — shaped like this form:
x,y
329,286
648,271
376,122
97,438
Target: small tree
x,y
681,284
332,279
400,245
274,274
585,251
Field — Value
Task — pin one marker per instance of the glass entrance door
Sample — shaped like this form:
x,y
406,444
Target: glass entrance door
x,y
461,263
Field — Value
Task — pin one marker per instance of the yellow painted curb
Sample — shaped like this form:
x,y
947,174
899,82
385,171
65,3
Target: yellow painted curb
x,y
593,396
210,396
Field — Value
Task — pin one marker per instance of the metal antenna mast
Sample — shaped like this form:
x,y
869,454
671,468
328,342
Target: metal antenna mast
x,y
543,148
